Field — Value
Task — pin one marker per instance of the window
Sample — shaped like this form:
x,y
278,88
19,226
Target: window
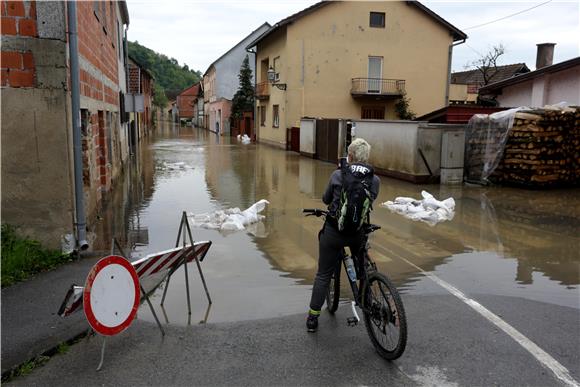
x,y
375,73
263,116
276,117
373,113
85,121
377,19
277,69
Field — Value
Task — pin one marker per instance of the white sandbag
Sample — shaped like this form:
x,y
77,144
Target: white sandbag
x,y
428,210
231,219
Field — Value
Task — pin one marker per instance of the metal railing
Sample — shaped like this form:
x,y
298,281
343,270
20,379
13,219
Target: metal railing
x,y
377,86
262,90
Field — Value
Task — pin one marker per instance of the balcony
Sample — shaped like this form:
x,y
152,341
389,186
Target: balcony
x,y
263,90
377,88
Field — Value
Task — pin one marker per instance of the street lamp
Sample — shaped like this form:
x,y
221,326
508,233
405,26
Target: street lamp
x,y
272,79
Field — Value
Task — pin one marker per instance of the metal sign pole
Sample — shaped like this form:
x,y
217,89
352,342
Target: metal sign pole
x,y
197,262
184,220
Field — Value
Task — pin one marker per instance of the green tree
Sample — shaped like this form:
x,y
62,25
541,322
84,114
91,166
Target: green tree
x,y
403,110
159,97
244,98
168,73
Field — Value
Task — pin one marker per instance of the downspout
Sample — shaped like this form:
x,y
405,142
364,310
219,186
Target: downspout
x,y
81,223
450,57
256,118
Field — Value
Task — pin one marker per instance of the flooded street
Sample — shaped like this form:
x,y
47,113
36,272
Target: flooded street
x,y
502,241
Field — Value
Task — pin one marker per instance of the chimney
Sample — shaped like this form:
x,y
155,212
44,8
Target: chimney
x,y
545,55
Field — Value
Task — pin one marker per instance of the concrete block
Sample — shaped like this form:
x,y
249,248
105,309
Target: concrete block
x,y
51,19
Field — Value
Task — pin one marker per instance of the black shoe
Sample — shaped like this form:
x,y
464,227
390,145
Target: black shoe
x,y
312,323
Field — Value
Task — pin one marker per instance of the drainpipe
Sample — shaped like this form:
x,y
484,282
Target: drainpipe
x,y
81,223
450,55
256,118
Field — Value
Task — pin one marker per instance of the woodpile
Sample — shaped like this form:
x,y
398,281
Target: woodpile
x,y
542,149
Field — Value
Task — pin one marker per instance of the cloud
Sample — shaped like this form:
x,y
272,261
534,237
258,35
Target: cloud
x,y
199,32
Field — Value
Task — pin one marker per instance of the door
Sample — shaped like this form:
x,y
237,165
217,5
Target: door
x,y
375,73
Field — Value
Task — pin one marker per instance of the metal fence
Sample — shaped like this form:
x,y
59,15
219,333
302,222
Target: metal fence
x,y
378,86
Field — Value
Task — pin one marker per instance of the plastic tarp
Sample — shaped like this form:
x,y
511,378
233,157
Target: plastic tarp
x,y
428,210
485,140
231,219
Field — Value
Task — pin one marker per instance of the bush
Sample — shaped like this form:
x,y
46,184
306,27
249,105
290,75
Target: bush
x,y
23,257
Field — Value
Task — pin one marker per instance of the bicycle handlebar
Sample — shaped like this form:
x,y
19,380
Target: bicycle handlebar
x,y
314,212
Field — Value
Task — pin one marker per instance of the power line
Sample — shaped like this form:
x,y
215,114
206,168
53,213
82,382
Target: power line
x,y
505,17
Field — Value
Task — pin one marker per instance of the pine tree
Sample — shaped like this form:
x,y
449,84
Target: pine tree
x,y
244,98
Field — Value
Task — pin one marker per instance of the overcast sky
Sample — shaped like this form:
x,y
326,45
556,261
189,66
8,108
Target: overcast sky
x,y
198,32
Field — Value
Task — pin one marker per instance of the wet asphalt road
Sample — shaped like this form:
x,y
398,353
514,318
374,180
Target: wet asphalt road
x,y
449,345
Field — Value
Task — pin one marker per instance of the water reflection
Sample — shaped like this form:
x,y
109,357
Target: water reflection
x,y
530,237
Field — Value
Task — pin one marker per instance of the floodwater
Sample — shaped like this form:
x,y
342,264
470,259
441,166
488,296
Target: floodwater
x,y
502,241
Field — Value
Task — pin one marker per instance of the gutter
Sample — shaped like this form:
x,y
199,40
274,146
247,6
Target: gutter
x,y
449,58
81,222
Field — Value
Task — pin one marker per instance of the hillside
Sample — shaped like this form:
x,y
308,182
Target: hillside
x,y
170,77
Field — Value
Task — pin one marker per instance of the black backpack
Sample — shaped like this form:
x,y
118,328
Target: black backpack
x,y
355,198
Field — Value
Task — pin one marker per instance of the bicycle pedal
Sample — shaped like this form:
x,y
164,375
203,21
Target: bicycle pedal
x,y
352,321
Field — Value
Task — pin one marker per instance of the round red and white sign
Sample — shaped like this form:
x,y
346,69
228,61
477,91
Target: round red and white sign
x,y
111,295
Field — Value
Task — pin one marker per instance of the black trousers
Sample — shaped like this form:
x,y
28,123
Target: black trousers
x,y
330,245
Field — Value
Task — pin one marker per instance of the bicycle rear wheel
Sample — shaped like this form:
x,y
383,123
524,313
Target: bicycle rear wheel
x,y
384,316
333,292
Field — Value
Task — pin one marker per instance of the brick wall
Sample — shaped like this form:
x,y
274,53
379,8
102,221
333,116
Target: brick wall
x,y
18,19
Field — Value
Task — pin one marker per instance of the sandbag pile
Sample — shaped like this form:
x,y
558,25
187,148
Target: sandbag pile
x,y
428,210
231,219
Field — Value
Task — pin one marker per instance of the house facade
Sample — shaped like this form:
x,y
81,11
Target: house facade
x,y
220,83
141,95
547,85
185,101
464,85
38,190
351,60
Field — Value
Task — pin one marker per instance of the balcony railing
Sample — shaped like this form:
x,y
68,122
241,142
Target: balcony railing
x,y
263,90
377,87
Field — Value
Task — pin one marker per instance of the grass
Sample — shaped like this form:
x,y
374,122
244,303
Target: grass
x,y
22,257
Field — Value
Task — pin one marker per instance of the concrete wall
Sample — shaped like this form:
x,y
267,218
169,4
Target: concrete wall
x,y
395,147
37,171
37,185
321,52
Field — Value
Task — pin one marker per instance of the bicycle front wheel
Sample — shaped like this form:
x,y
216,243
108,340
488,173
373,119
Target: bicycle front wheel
x,y
333,292
384,316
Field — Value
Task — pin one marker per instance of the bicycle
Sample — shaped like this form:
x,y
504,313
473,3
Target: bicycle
x,y
379,300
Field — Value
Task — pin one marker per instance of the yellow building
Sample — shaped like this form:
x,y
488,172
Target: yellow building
x,y
351,60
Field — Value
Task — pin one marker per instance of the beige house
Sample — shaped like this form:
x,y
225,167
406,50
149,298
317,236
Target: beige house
x,y
351,60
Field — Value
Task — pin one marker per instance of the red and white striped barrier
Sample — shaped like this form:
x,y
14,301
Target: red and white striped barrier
x,y
153,264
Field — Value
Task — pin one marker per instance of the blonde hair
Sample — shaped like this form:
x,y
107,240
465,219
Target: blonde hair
x,y
359,150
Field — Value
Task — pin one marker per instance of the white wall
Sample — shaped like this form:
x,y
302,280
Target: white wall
x,y
548,89
565,86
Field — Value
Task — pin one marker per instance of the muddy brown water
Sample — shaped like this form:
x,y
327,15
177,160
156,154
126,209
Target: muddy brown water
x,y
502,241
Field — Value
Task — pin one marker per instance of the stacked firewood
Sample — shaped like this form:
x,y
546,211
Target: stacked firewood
x,y
542,149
